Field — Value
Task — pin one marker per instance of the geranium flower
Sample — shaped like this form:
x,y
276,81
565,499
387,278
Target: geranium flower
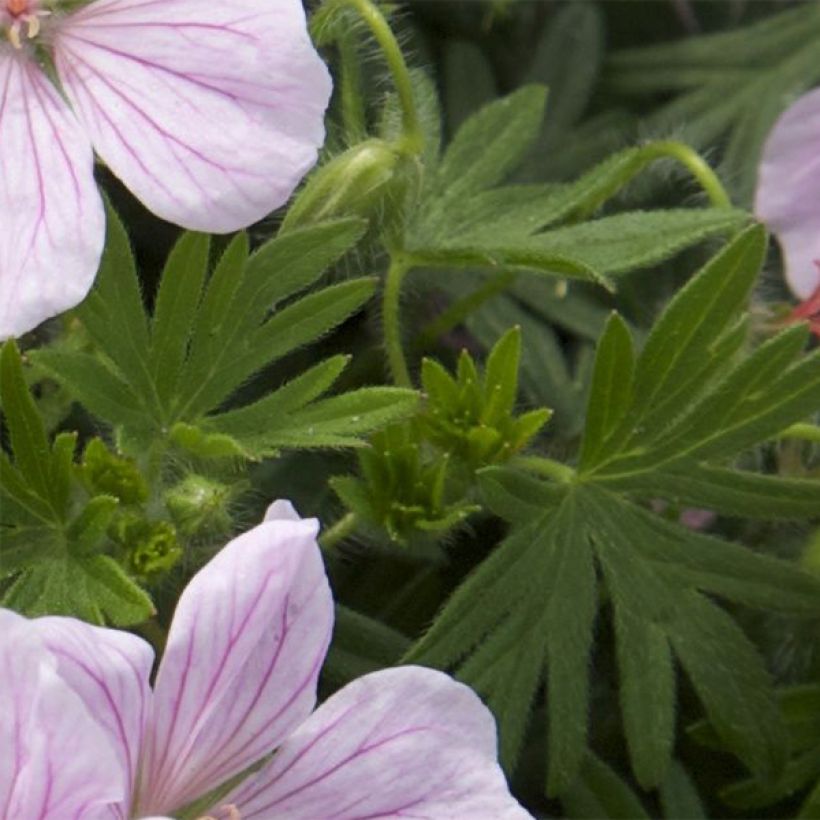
x,y
209,112
788,199
84,736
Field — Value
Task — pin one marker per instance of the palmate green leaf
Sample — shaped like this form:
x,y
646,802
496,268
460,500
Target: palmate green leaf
x,y
724,667
534,601
657,574
209,334
91,587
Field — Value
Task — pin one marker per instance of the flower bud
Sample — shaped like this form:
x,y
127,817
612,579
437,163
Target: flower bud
x,y
155,551
199,506
353,184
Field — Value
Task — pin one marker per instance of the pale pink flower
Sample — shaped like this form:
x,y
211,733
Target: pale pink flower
x,y
210,112
84,736
788,192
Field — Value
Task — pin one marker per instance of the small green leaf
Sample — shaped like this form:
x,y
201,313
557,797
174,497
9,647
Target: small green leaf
x,y
88,530
490,143
209,322
96,386
698,315
611,390
62,470
679,797
340,421
616,244
206,444
113,313
29,444
175,310
599,792
501,378
732,683
254,419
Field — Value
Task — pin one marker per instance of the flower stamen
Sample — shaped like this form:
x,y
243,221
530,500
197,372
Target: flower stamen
x,y
23,13
231,812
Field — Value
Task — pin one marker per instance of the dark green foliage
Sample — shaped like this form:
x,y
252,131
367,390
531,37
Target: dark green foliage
x,y
527,613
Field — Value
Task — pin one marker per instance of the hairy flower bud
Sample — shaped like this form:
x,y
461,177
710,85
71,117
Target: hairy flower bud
x,y
199,505
353,184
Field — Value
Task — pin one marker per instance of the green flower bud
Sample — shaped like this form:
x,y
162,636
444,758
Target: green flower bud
x,y
199,505
107,474
353,184
154,553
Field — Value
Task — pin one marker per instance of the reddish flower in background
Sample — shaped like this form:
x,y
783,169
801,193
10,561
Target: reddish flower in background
x,y
788,199
209,112
84,735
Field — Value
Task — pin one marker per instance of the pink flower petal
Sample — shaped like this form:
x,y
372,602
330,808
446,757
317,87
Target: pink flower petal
x,y
239,672
55,760
110,671
788,191
53,224
405,742
210,112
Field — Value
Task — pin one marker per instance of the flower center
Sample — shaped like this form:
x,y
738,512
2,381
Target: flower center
x,y
22,18
226,812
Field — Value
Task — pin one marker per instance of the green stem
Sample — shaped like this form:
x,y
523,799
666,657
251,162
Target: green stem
x,y
547,467
391,323
805,432
413,138
697,166
344,527
353,113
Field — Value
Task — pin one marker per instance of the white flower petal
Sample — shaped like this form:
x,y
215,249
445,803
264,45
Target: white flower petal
x,y
109,670
239,672
210,112
405,742
53,224
788,191
55,760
